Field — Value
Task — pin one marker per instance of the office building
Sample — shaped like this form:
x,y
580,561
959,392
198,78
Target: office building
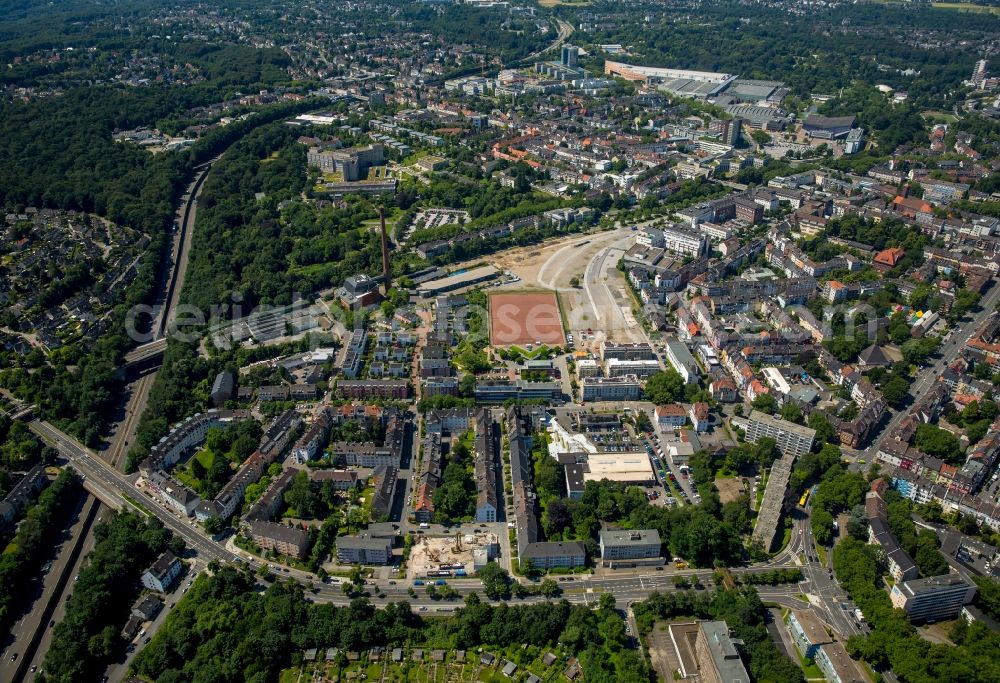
x,y
934,598
718,659
553,554
630,548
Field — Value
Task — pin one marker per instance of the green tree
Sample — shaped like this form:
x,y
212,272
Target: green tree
x,y
665,387
765,403
496,581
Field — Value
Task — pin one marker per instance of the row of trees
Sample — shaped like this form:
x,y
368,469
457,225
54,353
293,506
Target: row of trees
x,y
261,629
88,637
22,560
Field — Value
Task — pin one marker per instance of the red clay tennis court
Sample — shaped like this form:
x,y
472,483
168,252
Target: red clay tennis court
x,y
521,318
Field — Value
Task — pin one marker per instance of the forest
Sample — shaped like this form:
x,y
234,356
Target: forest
x,y
82,169
23,558
262,632
265,250
87,636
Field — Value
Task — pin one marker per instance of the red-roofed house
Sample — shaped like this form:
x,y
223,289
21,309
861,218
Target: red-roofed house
x,y
671,416
699,416
887,259
911,206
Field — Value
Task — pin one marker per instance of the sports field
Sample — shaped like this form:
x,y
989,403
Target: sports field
x,y
522,318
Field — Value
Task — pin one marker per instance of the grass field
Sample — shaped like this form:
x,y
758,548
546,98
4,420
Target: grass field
x,y
939,116
966,7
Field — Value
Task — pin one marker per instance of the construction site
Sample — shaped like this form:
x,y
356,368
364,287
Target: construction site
x,y
460,554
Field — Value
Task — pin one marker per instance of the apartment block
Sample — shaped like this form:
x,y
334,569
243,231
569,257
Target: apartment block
x,y
791,438
611,389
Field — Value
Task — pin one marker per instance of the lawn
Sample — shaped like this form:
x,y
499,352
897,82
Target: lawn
x,y
966,7
206,457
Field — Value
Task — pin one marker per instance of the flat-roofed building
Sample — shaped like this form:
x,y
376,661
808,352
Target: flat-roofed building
x,y
718,659
630,547
791,438
617,367
836,665
596,389
627,468
934,598
808,632
553,554
364,549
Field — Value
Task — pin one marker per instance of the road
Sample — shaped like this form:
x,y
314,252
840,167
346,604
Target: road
x,y
563,31
87,542
186,214
30,635
948,352
115,489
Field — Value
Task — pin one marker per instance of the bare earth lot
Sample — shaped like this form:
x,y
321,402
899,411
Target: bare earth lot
x,y
523,318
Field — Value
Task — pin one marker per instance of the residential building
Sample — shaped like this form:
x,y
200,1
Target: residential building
x,y
808,632
682,361
373,388
25,491
162,574
700,416
836,665
596,389
222,388
671,416
285,540
617,367
485,468
790,437
364,549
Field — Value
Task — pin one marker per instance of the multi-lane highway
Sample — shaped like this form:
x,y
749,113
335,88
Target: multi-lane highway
x,y
118,491
29,637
